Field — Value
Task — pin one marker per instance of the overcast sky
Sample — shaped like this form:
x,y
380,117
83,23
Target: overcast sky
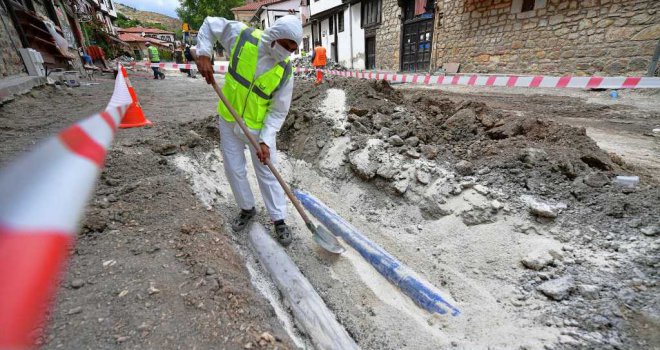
x,y
165,7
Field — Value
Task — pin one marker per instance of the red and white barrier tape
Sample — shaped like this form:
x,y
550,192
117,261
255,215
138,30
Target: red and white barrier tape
x,y
43,195
539,81
218,67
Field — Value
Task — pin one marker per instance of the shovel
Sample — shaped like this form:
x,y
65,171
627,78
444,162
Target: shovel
x,y
321,235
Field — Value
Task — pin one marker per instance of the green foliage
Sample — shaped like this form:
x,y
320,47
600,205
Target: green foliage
x,y
125,22
96,35
193,12
165,55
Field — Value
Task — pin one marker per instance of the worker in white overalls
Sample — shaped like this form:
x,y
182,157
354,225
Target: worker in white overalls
x,y
259,85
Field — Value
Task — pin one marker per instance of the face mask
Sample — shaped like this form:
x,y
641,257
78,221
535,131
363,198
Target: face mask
x,y
279,53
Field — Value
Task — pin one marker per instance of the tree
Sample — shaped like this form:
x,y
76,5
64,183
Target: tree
x,y
193,12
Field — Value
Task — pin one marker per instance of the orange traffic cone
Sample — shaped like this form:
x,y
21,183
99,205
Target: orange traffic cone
x,y
134,116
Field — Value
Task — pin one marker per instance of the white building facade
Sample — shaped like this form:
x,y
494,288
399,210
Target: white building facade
x,y
269,13
337,25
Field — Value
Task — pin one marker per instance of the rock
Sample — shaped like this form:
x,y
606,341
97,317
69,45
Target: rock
x,y
166,150
412,141
423,177
387,171
477,216
496,205
544,210
557,289
650,231
360,112
429,151
401,186
77,283
649,33
153,290
320,143
431,209
395,140
210,271
193,140
463,119
361,164
464,168
412,154
267,337
533,156
75,310
482,190
537,259
596,180
588,291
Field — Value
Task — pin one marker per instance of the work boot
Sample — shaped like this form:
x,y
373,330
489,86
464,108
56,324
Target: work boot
x,y
243,219
283,233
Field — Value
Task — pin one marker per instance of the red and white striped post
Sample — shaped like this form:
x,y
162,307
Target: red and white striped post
x,y
43,195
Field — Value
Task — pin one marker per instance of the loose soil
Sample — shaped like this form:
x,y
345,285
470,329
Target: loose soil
x,y
503,201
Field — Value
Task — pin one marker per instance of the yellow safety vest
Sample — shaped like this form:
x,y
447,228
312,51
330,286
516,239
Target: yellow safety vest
x,y
155,57
251,98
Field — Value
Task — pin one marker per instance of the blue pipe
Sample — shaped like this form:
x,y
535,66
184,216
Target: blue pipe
x,y
420,291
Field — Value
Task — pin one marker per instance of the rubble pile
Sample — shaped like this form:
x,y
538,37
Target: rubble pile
x,y
426,148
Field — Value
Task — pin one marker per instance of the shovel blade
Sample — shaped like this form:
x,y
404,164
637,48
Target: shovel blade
x,y
326,240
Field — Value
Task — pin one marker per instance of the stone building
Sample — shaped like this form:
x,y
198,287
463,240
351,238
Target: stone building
x,y
51,27
10,61
609,37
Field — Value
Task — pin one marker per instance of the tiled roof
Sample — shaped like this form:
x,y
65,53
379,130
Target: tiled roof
x,y
132,37
255,5
143,30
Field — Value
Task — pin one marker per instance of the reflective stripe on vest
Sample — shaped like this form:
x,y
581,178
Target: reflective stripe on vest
x,y
155,57
251,98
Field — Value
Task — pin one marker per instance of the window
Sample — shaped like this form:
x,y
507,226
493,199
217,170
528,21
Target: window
x,y
370,12
332,21
528,5
340,21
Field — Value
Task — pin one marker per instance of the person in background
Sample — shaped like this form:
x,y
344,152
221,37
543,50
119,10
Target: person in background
x,y
189,59
319,60
154,57
260,87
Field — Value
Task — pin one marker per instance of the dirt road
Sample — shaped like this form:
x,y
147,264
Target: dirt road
x,y
453,183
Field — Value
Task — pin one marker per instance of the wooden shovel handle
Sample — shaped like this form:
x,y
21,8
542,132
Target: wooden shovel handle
x,y
255,144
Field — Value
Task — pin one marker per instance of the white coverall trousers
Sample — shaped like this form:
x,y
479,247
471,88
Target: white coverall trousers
x,y
233,154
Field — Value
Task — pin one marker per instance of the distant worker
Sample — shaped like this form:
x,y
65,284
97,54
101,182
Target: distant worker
x,y
189,59
319,61
259,85
154,57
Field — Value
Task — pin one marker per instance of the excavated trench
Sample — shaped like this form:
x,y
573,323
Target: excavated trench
x,y
446,188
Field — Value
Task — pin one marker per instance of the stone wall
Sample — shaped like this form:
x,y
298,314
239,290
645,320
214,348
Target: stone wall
x,y
608,37
388,37
10,61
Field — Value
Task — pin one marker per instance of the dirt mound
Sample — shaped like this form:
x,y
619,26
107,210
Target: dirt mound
x,y
426,148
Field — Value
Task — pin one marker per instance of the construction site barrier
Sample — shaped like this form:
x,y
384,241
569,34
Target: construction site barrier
x,y
527,81
42,199
217,68
538,81
420,291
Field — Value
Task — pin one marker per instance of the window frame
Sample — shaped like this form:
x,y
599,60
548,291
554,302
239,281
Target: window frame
x,y
371,13
528,5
